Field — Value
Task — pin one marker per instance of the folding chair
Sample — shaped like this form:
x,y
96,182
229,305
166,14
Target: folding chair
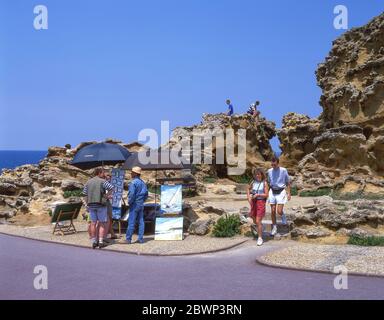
x,y
65,212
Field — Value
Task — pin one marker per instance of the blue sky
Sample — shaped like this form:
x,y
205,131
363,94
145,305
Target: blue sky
x,y
111,68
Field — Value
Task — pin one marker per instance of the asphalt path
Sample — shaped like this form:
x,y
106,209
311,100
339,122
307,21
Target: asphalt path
x,y
81,273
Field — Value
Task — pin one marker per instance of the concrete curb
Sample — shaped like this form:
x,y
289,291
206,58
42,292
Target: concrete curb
x,y
128,252
277,266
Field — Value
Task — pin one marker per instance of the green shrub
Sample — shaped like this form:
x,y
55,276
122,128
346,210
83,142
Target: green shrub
x,y
227,226
243,179
73,193
316,193
209,180
294,191
356,195
189,193
371,241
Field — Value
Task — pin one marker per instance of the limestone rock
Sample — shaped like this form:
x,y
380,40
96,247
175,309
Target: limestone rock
x,y
200,227
346,142
211,209
57,152
336,217
296,137
258,135
323,200
7,214
70,185
311,233
7,189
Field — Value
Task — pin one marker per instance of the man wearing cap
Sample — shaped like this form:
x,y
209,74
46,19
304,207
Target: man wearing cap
x,y
137,195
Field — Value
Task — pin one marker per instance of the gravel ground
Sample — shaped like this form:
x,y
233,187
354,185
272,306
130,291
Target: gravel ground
x,y
190,245
364,260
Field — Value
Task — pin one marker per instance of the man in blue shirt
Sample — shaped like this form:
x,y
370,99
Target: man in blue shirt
x,y
137,195
279,192
230,108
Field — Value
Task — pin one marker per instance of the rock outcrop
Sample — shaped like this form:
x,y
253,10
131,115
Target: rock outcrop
x,y
352,79
296,137
344,148
33,188
258,135
327,217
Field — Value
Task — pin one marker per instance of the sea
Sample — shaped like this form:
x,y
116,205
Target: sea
x,y
13,159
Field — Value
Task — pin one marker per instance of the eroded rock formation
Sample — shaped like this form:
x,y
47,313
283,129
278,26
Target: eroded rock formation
x,y
344,148
258,135
33,188
327,217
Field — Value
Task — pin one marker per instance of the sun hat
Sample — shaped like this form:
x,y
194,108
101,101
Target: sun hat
x,y
136,170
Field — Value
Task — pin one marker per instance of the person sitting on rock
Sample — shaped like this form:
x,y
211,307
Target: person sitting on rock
x,y
230,108
257,195
253,110
279,192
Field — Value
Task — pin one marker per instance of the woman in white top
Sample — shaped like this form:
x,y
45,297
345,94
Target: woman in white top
x,y
257,196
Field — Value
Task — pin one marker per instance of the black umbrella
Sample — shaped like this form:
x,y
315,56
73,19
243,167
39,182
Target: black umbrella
x,y
100,154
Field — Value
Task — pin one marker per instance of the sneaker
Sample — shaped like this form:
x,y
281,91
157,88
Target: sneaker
x,y
128,241
95,245
284,219
260,242
274,231
140,241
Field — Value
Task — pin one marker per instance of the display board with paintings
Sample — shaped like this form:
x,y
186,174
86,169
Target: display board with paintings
x,y
117,180
170,225
171,199
169,228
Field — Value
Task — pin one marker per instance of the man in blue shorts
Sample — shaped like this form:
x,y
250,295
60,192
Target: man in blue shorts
x,y
279,192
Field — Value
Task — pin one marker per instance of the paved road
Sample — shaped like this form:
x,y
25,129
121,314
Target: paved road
x,y
80,273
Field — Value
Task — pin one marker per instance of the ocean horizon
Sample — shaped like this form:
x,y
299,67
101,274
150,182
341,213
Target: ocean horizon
x,y
10,159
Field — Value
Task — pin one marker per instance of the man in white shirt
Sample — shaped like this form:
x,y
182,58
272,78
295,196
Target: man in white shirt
x,y
279,192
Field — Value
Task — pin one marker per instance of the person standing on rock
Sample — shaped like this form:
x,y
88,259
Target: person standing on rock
x,y
279,192
137,195
257,194
230,108
97,191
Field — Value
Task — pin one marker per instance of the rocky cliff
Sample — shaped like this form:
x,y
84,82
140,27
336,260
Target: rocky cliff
x,y
259,132
344,147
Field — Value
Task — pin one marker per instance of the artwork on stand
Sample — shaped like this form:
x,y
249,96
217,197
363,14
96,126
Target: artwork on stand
x,y
169,228
171,199
117,180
